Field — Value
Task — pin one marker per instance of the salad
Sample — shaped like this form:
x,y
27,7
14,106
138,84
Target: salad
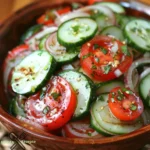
x,y
82,71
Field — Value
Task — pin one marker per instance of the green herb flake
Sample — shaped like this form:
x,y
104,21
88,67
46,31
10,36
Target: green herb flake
x,y
120,95
89,134
55,95
95,46
133,29
104,51
46,110
40,53
133,107
100,98
75,28
125,50
107,69
86,56
94,67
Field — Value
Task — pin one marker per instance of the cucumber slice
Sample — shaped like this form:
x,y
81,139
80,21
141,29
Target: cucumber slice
x,y
106,87
113,6
32,72
94,124
144,89
17,106
30,32
107,121
122,20
138,34
113,31
102,20
67,56
83,88
76,31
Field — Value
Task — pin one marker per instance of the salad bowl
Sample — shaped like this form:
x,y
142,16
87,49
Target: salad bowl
x,y
10,32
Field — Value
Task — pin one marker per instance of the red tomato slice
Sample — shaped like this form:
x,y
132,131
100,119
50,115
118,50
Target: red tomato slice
x,y
125,104
105,58
79,129
48,18
13,58
90,2
56,107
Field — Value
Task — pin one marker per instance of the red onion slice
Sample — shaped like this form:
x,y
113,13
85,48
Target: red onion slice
x,y
105,10
53,46
128,78
34,40
145,72
74,14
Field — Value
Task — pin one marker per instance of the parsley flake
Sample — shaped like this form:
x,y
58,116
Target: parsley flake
x,y
107,69
55,95
125,50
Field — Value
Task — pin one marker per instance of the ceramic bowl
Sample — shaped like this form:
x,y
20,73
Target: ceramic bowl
x,y
10,32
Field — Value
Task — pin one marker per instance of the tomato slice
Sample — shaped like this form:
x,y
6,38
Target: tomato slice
x,y
125,104
49,16
13,58
55,108
105,58
79,129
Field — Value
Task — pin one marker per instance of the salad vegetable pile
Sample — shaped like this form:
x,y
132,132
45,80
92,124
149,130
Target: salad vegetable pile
x,y
82,70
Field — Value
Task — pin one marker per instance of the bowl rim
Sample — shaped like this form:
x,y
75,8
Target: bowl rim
x,y
6,118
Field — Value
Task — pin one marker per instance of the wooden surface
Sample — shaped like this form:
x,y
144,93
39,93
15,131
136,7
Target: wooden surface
x,y
9,6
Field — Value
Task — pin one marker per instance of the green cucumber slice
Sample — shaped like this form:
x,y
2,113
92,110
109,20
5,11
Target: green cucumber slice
x,y
113,31
16,106
113,6
144,89
32,72
106,87
76,31
107,121
94,124
138,34
30,32
83,88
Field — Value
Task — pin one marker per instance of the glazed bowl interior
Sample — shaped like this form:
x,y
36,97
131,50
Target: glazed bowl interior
x,y
10,32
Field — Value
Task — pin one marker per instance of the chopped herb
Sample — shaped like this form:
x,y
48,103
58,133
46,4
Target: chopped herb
x,y
46,110
40,53
120,95
133,29
89,134
75,28
55,95
104,51
94,67
133,107
124,89
100,98
113,94
86,56
107,69
127,91
95,46
125,50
